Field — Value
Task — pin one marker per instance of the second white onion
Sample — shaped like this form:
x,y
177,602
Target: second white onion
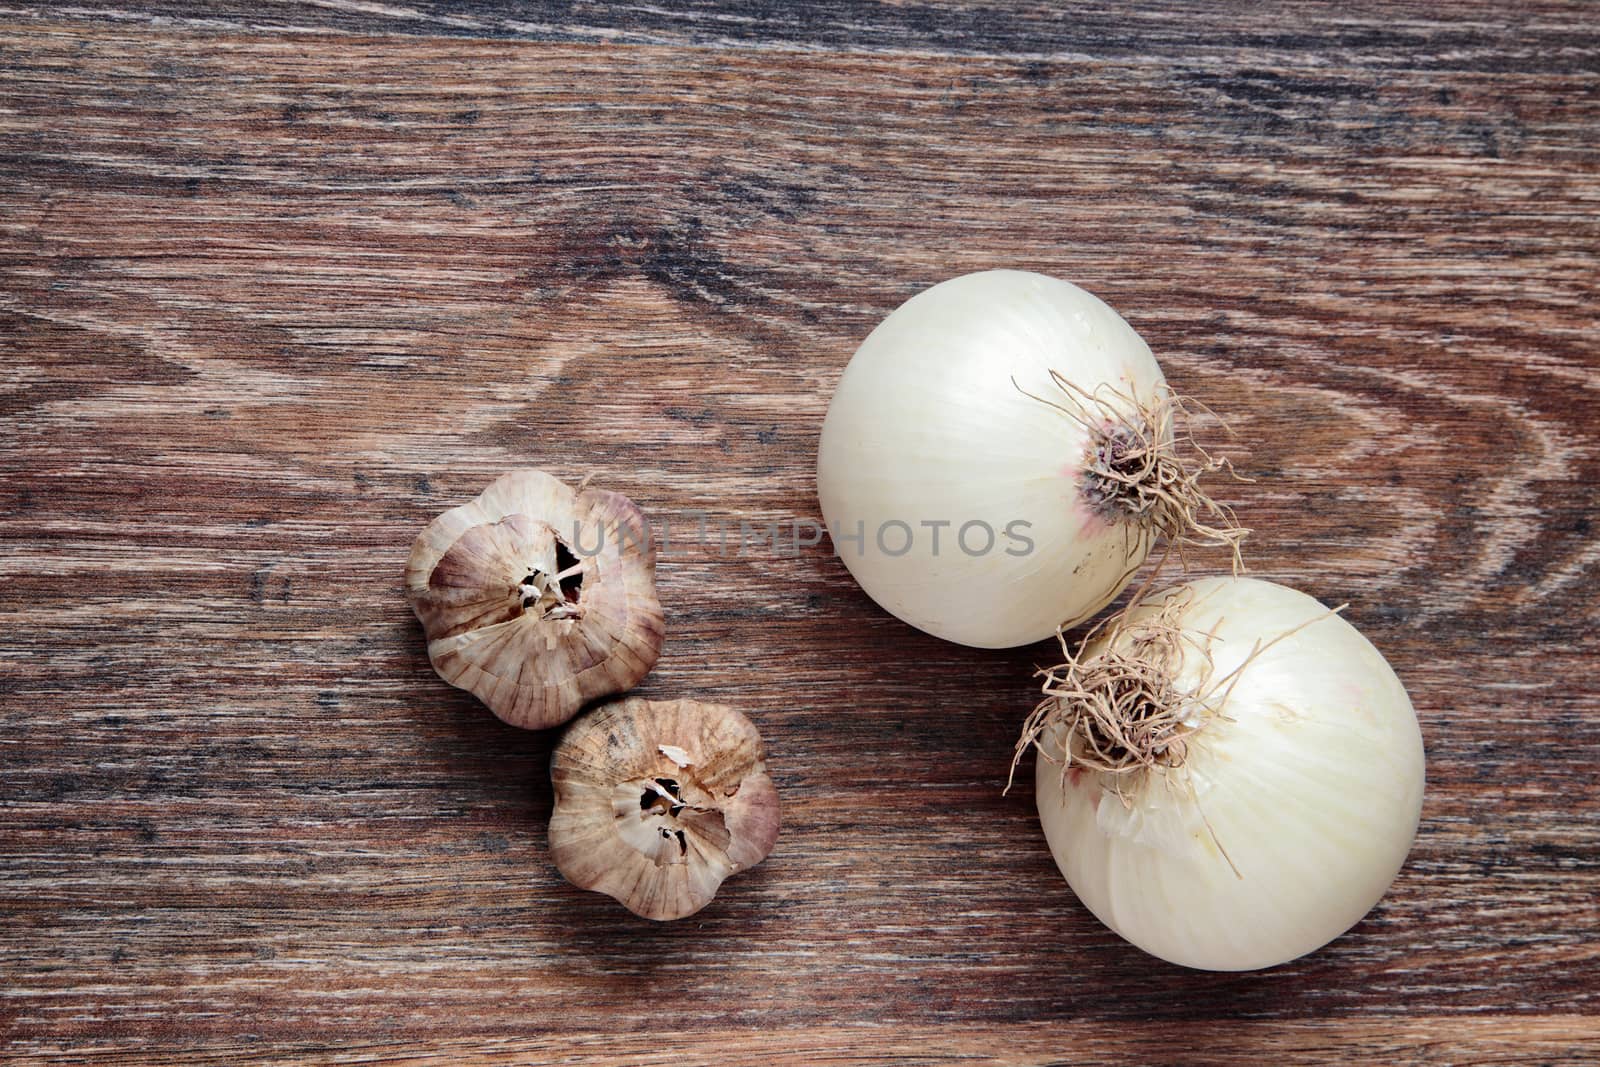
x,y
1230,775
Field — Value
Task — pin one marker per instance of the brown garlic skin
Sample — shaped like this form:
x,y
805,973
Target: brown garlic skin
x,y
522,611
658,802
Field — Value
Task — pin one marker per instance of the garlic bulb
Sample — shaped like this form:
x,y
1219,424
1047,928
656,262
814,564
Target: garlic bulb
x,y
1230,776
538,599
999,457
659,801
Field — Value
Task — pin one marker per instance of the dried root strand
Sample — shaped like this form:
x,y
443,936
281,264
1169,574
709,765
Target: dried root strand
x,y
1140,472
1117,711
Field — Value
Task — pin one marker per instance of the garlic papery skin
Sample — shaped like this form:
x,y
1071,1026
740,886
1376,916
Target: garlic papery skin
x,y
954,470
1282,813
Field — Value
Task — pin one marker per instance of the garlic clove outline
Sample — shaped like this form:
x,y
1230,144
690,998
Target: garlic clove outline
x,y
536,598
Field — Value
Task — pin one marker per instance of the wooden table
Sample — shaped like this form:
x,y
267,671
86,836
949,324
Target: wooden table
x,y
279,283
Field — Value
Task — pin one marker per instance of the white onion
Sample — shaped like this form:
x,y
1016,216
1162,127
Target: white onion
x,y
1274,825
980,404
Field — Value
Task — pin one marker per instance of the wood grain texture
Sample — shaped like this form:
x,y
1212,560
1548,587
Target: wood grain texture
x,y
277,286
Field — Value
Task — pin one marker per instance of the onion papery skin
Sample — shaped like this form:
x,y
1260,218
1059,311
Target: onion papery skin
x,y
1309,777
931,423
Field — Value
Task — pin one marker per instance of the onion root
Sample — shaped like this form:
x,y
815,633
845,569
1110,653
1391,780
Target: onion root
x,y
1139,472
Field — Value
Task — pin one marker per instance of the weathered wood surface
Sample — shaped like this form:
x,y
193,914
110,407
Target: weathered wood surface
x,y
279,285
